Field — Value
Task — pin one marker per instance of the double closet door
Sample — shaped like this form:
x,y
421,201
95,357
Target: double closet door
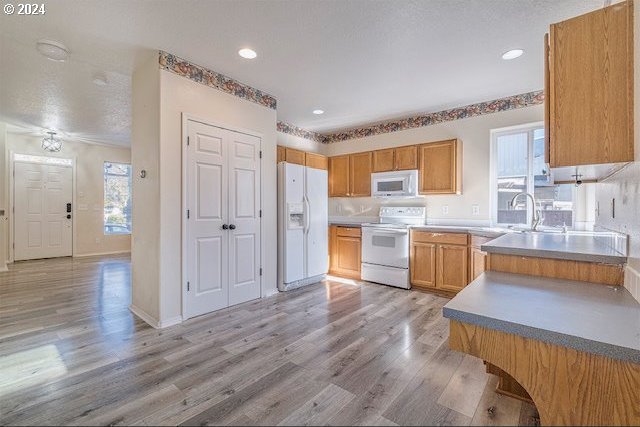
x,y
222,171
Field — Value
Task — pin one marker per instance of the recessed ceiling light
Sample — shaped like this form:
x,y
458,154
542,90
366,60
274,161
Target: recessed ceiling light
x,y
53,50
512,54
318,112
99,79
247,53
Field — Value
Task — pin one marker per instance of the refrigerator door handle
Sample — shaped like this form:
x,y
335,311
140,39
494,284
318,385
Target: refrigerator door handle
x,y
307,219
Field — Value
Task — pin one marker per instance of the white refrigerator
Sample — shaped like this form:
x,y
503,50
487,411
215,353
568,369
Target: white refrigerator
x,y
303,224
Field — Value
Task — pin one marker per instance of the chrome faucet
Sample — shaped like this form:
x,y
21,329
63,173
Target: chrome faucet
x,y
535,215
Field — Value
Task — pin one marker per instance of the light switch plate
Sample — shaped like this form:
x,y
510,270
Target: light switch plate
x,y
475,210
445,210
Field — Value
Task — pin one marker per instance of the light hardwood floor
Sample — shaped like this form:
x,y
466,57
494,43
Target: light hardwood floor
x,y
329,354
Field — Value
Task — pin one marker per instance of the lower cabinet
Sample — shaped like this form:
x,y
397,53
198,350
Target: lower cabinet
x,y
345,251
439,261
478,259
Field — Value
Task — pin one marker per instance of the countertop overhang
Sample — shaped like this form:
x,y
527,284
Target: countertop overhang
x,y
589,317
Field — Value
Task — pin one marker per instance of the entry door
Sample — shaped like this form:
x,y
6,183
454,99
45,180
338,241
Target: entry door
x,y
41,227
223,224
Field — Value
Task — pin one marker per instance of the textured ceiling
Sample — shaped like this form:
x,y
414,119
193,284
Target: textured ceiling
x,y
359,60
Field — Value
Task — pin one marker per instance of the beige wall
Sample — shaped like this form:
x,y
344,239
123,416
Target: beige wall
x,y
475,136
293,141
624,186
89,187
145,155
160,99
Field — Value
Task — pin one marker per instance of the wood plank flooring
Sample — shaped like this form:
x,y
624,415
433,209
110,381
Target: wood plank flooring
x,y
332,353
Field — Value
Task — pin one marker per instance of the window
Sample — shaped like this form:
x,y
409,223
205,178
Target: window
x,y
518,165
117,198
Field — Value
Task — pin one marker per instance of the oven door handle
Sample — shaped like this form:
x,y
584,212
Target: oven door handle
x,y
400,232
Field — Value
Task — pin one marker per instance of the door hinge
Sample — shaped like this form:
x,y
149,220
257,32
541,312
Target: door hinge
x,y
188,286
188,141
260,214
260,153
261,271
188,213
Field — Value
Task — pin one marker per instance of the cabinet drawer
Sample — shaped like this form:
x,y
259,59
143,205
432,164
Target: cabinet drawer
x,y
444,238
477,241
348,231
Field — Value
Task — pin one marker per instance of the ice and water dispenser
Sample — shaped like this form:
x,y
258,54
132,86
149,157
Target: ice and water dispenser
x,y
295,216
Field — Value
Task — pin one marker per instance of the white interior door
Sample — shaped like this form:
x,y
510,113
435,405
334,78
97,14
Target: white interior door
x,y
207,241
244,217
41,227
223,224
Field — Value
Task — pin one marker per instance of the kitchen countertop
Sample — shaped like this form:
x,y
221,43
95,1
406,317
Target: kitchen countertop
x,y
608,248
474,230
588,317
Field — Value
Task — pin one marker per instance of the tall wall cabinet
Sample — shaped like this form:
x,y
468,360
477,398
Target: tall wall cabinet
x,y
589,88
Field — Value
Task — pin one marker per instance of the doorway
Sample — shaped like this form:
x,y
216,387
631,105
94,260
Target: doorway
x,y
222,175
42,205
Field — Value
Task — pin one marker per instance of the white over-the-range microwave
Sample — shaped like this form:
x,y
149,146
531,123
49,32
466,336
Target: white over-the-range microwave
x,y
395,184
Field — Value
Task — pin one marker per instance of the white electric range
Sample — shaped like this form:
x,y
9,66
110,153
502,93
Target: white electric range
x,y
385,245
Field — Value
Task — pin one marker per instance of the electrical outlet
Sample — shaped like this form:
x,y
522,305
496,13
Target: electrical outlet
x,y
445,210
97,240
475,210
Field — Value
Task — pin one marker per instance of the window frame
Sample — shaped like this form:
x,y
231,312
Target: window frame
x,y
104,195
529,128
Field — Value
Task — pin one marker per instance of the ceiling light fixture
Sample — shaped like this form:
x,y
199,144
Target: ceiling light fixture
x,y
512,54
247,53
99,79
51,143
318,112
53,50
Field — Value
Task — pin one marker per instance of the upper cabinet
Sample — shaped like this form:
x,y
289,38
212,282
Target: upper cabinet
x,y
440,167
589,88
316,161
299,157
350,175
294,156
390,159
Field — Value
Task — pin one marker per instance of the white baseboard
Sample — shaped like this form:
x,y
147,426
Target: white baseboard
x,y
152,321
101,254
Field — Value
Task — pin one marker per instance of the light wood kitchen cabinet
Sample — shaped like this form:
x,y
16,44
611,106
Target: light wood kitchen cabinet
x,y
478,259
316,161
339,176
589,88
400,158
406,158
281,155
440,167
439,260
452,267
383,160
345,251
294,156
422,258
360,174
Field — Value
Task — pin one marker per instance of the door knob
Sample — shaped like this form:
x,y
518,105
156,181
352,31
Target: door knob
x,y
232,227
225,227
68,216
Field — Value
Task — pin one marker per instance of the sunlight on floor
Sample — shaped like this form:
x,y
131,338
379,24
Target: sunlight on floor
x,y
30,367
343,280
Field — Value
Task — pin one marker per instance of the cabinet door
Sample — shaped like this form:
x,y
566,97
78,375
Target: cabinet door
x,y
348,256
316,161
591,88
440,168
294,156
452,267
360,174
422,261
383,160
281,155
339,176
479,263
406,158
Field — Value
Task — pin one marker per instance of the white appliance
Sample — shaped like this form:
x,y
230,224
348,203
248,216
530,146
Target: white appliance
x,y
385,246
395,184
303,225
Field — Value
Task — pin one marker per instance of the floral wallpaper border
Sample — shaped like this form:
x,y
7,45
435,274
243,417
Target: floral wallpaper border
x,y
199,74
473,110
302,133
